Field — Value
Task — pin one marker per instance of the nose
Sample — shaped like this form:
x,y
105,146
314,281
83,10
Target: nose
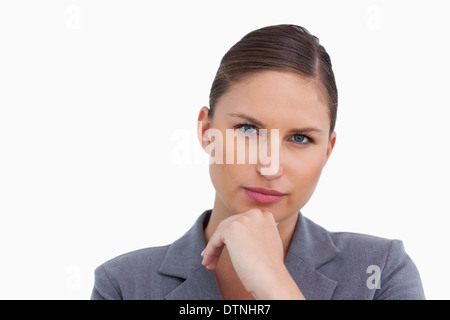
x,y
270,166
271,174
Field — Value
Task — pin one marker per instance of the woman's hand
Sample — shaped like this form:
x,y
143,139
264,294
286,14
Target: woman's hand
x,y
256,252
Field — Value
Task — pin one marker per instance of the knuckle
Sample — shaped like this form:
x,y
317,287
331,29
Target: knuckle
x,y
254,211
235,227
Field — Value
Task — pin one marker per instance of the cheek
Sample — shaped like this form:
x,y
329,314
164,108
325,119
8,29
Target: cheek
x,y
227,177
305,173
239,149
236,158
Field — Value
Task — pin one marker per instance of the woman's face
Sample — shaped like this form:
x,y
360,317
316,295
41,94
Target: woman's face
x,y
268,100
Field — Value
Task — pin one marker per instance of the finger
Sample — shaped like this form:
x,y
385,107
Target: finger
x,y
267,214
217,242
213,250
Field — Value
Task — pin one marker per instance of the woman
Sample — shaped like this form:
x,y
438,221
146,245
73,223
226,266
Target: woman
x,y
274,93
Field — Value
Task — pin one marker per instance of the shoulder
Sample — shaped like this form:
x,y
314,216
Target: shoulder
x,y
151,273
351,243
130,275
369,250
358,243
136,261
381,267
363,266
350,246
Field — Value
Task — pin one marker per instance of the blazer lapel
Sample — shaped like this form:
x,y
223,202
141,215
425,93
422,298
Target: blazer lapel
x,y
183,260
311,248
200,284
313,284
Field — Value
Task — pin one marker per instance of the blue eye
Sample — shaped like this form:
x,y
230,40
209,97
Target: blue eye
x,y
250,129
300,138
247,128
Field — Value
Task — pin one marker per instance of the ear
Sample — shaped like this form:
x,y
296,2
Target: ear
x,y
330,147
203,124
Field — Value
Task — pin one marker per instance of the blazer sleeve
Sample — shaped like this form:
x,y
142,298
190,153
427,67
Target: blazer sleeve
x,y
400,279
104,288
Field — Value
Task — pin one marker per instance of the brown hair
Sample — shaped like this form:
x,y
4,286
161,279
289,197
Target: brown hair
x,y
282,48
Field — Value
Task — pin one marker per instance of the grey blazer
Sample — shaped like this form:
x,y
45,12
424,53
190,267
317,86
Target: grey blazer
x,y
325,265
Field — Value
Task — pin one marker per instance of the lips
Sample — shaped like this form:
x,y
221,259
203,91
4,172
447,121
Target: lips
x,y
263,195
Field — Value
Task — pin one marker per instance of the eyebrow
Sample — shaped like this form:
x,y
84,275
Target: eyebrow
x,y
262,125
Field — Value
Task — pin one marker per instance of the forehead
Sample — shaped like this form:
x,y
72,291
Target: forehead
x,y
277,98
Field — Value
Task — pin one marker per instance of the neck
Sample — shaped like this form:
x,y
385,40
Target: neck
x,y
220,212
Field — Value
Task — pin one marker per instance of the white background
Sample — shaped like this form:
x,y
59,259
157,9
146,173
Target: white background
x,y
98,110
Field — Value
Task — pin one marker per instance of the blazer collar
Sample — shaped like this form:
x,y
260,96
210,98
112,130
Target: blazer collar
x,y
311,247
183,260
